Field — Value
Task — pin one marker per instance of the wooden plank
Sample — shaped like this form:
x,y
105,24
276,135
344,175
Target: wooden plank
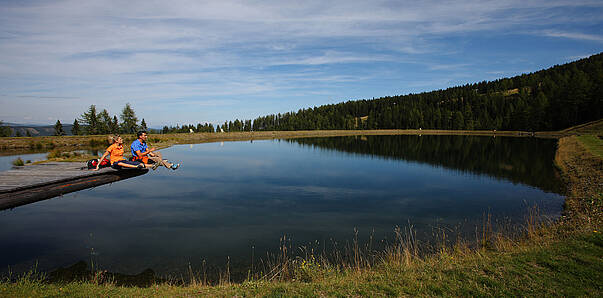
x,y
33,183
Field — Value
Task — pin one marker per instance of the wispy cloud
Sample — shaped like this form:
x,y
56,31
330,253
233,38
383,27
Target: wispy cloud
x,y
204,52
575,35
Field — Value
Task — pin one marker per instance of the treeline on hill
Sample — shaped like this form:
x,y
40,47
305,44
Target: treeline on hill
x,y
551,99
207,127
93,123
228,126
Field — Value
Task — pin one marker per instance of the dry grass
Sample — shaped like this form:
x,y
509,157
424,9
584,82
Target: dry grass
x,y
583,176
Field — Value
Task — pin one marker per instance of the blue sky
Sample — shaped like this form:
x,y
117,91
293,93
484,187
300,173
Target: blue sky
x,y
179,62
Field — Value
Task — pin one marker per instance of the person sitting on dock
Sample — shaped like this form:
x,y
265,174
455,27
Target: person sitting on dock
x,y
141,152
116,153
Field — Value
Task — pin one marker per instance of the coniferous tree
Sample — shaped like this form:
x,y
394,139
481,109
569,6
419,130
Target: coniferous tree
x,y
114,127
143,125
75,129
90,119
58,129
104,122
4,130
128,120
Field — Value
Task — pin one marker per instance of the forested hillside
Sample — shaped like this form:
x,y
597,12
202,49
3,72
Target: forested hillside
x,y
551,99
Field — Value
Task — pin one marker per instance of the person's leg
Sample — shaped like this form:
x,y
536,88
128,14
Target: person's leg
x,y
158,158
130,164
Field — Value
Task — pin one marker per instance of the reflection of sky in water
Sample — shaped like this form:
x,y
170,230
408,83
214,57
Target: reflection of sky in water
x,y
227,197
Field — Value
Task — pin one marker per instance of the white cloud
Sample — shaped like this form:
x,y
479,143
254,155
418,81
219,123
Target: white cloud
x,y
575,35
111,51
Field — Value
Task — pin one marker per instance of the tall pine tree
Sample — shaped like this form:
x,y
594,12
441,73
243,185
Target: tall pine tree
x,y
104,122
58,129
90,119
75,129
128,120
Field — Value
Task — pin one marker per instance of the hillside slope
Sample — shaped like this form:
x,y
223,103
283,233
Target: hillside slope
x,y
547,100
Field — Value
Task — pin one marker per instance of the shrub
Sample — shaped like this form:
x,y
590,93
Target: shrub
x,y
18,162
54,154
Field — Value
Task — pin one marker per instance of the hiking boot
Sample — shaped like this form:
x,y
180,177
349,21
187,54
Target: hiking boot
x,y
175,166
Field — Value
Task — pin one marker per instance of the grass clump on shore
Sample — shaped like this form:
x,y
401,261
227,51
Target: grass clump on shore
x,y
18,162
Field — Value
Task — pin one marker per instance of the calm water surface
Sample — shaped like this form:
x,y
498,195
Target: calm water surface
x,y
6,162
229,199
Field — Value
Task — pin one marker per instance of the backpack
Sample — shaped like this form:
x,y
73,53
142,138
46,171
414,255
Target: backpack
x,y
93,162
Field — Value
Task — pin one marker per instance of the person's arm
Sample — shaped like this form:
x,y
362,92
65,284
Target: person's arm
x,y
141,154
100,159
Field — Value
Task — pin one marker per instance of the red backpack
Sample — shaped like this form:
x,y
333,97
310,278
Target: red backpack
x,y
93,162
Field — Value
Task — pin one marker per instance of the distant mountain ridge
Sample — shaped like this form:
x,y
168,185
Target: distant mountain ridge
x,y
35,130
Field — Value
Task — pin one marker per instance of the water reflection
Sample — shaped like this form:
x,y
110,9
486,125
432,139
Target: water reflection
x,y
520,160
229,197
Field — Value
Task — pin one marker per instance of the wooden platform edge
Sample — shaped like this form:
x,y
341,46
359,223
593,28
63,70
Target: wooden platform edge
x,y
88,173
30,194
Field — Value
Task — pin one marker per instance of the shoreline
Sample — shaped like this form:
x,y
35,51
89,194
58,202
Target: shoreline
x,y
47,143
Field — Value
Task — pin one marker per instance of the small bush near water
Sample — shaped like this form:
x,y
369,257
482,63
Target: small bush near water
x,y
18,162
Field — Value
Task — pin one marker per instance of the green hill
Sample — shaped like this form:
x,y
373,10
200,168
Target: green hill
x,y
551,99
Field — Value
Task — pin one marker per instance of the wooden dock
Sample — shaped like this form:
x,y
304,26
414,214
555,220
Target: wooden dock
x,y
28,184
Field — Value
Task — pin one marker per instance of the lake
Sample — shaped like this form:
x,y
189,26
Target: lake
x,y
233,201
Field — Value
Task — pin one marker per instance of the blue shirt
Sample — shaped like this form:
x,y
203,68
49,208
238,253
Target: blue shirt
x,y
138,146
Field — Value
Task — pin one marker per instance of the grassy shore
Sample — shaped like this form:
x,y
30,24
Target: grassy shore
x,y
44,144
563,258
24,144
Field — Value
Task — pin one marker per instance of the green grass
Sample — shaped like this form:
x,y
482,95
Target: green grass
x,y
571,266
593,143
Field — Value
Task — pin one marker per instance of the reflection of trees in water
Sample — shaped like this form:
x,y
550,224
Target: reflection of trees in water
x,y
520,160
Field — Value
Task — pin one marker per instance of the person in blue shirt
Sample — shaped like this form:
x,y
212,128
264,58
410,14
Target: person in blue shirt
x,y
141,152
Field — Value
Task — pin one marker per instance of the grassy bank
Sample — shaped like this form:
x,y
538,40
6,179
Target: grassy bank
x,y
564,258
43,144
62,148
570,266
